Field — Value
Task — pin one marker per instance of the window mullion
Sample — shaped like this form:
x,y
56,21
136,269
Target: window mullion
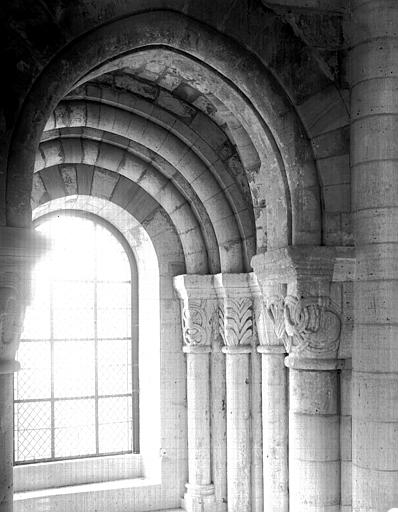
x,y
96,346
52,369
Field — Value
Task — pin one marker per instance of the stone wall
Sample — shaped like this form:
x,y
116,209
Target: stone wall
x,y
240,136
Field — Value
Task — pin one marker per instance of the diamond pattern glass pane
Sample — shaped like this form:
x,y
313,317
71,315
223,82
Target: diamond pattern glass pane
x,y
111,250
73,396
77,359
114,295
32,431
74,295
74,427
115,419
73,247
73,323
114,367
34,378
73,306
37,316
36,324
113,323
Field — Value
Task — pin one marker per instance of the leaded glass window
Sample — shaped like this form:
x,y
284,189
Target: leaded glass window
x,y
77,392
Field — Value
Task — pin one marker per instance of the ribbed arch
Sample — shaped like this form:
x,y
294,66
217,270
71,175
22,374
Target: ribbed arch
x,y
147,163
141,236
143,202
287,180
214,187
198,131
195,129
106,156
195,160
268,185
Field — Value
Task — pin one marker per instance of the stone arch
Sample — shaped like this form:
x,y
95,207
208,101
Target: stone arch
x,y
224,253
183,229
170,141
153,155
290,178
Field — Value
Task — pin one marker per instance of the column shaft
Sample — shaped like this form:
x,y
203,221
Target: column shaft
x,y
219,429
200,490
314,441
198,394
346,439
6,443
374,160
238,428
256,433
275,431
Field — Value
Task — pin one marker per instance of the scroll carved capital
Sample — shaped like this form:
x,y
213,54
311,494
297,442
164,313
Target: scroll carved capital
x,y
236,321
8,313
309,327
199,322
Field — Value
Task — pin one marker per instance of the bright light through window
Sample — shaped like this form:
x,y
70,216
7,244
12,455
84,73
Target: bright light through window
x,y
76,394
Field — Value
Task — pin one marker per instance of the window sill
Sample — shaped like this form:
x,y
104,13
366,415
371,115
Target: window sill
x,y
114,496
127,483
76,472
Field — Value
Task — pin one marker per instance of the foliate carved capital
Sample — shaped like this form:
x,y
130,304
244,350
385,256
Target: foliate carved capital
x,y
236,321
309,327
199,322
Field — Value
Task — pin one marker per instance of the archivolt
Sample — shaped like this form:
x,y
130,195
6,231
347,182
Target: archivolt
x,y
214,196
290,186
143,207
203,137
144,240
188,180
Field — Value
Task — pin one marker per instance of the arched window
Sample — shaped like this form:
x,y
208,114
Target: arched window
x,y
77,392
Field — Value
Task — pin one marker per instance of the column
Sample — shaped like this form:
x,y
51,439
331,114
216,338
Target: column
x,y
274,387
309,324
236,327
275,428
6,441
373,74
19,248
200,329
314,437
257,477
219,425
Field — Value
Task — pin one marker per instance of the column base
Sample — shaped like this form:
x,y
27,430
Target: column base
x,y
200,498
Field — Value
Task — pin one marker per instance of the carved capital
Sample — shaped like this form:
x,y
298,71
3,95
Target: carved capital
x,y
14,296
199,322
216,307
10,314
236,321
198,311
309,327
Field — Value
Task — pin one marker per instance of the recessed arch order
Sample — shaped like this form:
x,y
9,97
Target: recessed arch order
x,y
286,179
